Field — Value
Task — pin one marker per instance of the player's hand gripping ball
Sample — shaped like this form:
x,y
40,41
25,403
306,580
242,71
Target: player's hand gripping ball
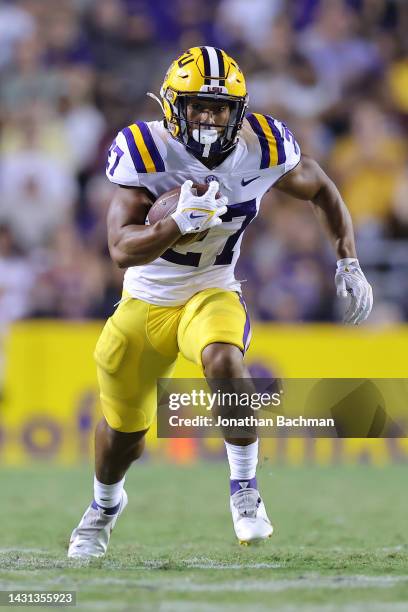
x,y
195,207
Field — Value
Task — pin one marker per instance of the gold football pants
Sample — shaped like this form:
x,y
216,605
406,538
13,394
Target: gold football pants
x,y
140,343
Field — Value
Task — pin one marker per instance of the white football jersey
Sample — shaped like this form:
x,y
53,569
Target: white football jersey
x,y
145,155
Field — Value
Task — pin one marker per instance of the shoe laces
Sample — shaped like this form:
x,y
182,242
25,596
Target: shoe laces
x,y
247,501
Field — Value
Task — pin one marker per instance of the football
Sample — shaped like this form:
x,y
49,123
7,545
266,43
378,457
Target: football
x,y
166,204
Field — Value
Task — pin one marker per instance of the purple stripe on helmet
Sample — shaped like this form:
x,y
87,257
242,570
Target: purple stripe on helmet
x,y
263,141
220,67
134,152
207,69
151,147
247,326
279,140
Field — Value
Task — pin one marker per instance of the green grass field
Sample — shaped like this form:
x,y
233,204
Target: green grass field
x,y
340,541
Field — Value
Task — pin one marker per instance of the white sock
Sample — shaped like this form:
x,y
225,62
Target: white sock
x,y
108,496
242,460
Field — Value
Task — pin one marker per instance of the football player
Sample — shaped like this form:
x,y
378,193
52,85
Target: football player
x,y
185,298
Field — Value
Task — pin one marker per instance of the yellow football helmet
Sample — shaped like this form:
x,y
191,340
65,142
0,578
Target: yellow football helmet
x,y
209,73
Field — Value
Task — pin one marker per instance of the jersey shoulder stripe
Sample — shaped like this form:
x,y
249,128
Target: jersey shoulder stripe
x,y
142,148
270,139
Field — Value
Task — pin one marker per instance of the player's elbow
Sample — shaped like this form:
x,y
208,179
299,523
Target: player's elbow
x,y
123,263
325,190
126,260
120,257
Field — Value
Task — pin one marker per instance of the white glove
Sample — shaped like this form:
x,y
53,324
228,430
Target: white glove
x,y
199,213
350,280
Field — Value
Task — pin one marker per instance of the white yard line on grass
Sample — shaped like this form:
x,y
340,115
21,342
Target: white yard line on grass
x,y
117,605
186,606
271,585
180,605
205,563
193,563
363,606
28,551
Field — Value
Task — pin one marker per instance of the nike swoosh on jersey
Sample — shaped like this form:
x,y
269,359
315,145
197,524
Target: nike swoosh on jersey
x,y
244,183
193,216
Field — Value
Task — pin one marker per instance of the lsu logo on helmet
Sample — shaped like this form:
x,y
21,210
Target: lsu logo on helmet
x,y
208,73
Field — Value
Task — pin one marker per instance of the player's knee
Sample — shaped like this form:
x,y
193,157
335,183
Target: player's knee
x,y
136,451
222,361
122,443
136,445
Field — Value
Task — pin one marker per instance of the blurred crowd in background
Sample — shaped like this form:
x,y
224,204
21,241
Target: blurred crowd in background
x,y
74,72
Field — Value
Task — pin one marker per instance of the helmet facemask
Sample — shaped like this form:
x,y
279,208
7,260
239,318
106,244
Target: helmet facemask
x,y
205,73
205,139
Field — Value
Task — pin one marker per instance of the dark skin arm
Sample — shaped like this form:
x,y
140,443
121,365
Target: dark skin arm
x,y
131,242
307,181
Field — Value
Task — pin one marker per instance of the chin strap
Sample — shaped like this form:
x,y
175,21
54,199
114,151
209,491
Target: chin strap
x,y
206,150
205,137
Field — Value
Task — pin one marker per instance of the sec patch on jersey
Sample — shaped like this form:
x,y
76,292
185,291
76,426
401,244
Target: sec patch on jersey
x,y
166,204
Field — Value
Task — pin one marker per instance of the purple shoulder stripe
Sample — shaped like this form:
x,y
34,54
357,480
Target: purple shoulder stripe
x,y
151,147
279,140
256,126
134,151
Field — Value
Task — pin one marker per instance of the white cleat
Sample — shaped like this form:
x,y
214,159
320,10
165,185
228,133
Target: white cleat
x,y
249,516
91,537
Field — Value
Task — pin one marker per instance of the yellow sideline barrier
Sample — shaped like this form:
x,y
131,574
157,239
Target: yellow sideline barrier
x,y
51,401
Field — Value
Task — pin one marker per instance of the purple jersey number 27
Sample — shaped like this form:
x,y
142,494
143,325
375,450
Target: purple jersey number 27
x,y
246,210
114,150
